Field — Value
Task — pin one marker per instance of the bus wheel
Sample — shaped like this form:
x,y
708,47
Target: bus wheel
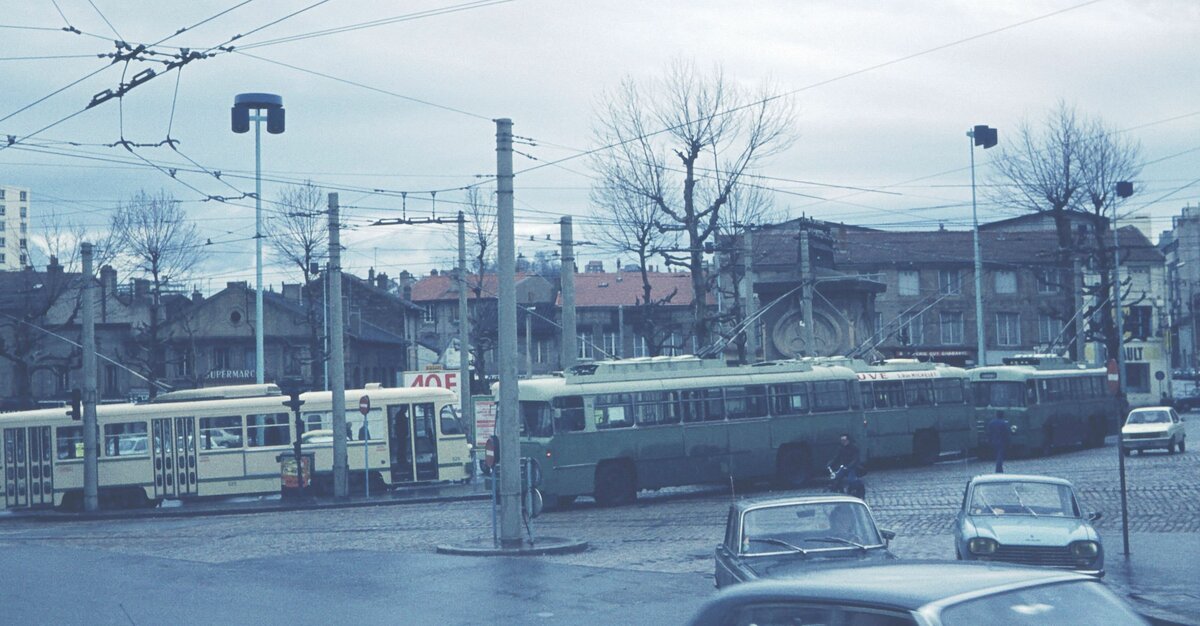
x,y
614,484
563,502
926,447
1047,442
791,467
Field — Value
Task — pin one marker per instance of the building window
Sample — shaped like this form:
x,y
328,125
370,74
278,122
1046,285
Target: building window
x,y
610,345
23,198
2,208
24,212
586,349
877,325
23,228
949,282
1138,322
110,380
1008,329
427,314
222,359
186,364
1049,281
1137,377
641,347
951,325
1049,329
909,283
912,329
1006,281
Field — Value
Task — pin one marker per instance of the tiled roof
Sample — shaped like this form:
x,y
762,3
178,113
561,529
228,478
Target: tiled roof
x,y
443,287
604,289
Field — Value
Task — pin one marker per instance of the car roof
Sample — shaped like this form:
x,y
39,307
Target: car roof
x,y
1145,409
906,585
1023,478
755,503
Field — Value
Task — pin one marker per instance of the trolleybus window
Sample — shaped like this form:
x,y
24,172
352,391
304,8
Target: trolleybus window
x,y
831,395
888,394
948,391
998,393
918,393
536,419
789,399
744,402
70,442
221,432
569,411
125,439
266,430
614,410
656,407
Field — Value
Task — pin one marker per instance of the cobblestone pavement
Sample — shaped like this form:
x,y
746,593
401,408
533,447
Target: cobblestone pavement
x,y
673,531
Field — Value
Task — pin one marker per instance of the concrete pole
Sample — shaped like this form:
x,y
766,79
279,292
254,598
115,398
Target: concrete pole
x,y
259,324
806,295
464,333
91,434
980,345
748,295
337,361
508,426
620,332
528,341
1080,320
570,349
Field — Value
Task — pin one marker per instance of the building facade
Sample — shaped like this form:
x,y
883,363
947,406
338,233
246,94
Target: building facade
x,y
14,228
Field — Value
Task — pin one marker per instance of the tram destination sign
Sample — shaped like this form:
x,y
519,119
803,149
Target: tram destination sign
x,y
865,376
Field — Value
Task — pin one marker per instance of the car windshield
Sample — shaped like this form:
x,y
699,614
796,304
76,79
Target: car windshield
x,y
1149,417
1023,498
1081,602
817,526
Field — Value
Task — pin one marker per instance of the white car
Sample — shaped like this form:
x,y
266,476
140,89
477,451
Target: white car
x,y
1153,427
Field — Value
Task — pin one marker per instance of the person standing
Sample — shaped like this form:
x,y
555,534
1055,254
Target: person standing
x,y
998,433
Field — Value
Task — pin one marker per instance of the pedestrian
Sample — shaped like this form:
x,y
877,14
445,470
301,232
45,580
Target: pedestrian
x,y
998,432
844,464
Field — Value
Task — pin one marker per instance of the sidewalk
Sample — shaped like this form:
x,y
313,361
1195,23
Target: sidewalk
x,y
1159,578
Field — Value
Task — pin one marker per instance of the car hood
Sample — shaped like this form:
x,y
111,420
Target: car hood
x,y
1130,429
795,565
1027,530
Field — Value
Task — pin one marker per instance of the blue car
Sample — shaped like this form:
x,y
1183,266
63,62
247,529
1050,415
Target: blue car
x,y
1028,520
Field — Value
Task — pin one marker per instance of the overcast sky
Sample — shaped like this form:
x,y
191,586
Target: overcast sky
x,y
884,93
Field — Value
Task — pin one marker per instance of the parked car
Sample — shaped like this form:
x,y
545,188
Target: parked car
x,y
785,537
929,593
1153,427
1030,520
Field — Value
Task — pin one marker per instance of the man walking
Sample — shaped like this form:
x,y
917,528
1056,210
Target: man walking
x,y
998,432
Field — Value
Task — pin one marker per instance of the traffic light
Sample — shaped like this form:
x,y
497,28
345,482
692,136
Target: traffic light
x,y
984,136
76,410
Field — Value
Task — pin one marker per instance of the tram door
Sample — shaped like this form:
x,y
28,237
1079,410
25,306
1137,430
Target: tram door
x,y
28,467
174,457
412,439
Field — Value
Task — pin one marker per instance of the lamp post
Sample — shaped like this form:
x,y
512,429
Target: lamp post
x,y
981,136
273,104
1124,190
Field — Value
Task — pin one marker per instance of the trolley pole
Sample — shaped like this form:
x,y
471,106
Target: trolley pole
x,y
567,277
91,434
337,362
510,453
464,338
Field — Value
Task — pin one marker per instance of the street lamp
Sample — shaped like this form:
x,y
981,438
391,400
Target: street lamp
x,y
1124,190
981,136
273,104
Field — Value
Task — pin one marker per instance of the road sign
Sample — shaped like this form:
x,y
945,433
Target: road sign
x,y
364,405
491,456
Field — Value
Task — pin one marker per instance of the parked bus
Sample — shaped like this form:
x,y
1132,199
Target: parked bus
x,y
1052,402
224,441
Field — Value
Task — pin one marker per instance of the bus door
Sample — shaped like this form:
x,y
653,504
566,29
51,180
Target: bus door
x,y
28,468
400,444
424,438
174,457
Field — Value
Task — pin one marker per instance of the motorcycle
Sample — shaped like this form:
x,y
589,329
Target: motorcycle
x,y
842,480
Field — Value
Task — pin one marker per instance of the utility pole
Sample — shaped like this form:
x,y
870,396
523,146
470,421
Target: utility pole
x,y
748,302
806,295
464,333
510,453
91,434
567,276
337,361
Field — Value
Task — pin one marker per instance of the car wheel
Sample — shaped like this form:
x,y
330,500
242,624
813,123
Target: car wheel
x,y
1171,446
1047,442
791,467
926,448
1182,442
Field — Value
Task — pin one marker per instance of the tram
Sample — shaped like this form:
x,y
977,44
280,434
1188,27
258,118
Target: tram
x,y
224,441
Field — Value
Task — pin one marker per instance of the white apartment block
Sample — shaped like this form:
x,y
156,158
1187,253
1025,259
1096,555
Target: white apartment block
x,y
14,228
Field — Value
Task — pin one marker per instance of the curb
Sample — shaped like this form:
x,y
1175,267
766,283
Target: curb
x,y
544,546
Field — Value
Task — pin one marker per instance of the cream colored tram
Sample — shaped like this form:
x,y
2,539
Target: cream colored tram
x,y
225,441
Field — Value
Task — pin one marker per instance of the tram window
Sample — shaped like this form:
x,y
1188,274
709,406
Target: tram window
x,y
714,405
831,395
318,421
125,439
918,393
614,410
70,442
536,419
691,405
790,399
745,402
948,391
451,424
355,430
569,415
889,394
270,429
218,433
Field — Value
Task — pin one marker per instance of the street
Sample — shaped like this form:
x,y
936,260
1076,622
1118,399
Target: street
x,y
651,562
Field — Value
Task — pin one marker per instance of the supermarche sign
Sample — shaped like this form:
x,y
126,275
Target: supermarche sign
x,y
445,379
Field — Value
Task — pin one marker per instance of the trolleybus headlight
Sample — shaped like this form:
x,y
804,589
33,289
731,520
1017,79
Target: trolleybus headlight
x,y
1085,549
982,546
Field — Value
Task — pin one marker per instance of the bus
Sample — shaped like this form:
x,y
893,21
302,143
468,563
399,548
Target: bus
x,y
224,441
913,410
1050,400
611,428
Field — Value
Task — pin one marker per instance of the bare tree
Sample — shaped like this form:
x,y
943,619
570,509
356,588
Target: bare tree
x,y
299,237
1068,167
683,145
480,214
157,242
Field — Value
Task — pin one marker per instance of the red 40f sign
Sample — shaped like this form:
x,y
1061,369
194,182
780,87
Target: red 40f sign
x,y
445,380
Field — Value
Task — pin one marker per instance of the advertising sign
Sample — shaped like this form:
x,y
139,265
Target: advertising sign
x,y
445,379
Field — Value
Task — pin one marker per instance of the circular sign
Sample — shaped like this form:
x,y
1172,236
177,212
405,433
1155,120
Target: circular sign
x,y
491,451
364,404
1159,375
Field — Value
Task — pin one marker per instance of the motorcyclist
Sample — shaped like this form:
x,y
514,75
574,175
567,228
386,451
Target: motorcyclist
x,y
844,464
